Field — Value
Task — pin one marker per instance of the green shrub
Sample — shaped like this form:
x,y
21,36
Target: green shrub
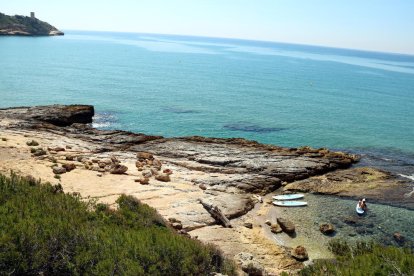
x,y
43,230
364,258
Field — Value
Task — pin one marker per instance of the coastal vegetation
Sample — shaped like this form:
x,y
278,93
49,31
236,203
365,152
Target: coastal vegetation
x,y
363,258
45,231
25,25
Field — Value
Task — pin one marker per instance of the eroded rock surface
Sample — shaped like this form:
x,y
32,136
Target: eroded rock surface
x,y
373,184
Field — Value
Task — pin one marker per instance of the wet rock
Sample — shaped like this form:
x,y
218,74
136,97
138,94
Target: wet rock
x,y
327,228
300,253
62,115
144,155
248,225
118,169
400,239
69,167
286,225
59,170
163,177
275,228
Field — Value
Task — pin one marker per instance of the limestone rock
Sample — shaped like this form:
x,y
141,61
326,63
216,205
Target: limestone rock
x,y
118,169
286,225
249,265
300,253
163,177
143,180
144,155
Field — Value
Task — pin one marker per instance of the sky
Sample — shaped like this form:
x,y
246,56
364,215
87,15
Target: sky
x,y
376,25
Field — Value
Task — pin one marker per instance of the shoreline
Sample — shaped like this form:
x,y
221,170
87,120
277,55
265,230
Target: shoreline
x,y
226,172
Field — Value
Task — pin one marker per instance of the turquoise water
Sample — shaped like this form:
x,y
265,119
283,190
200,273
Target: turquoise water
x,y
283,94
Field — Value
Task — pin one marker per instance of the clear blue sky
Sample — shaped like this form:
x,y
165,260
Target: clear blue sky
x,y
381,25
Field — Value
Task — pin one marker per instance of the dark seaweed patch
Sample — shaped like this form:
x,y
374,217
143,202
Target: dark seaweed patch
x,y
246,127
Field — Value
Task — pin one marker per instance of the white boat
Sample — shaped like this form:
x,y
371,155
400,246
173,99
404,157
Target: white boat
x,y
291,203
288,197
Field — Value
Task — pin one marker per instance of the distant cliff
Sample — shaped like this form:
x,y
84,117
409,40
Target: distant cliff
x,y
25,26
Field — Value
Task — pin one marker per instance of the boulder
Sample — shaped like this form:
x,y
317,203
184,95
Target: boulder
x,y
32,143
327,228
144,155
163,177
39,152
118,169
139,164
286,225
275,228
154,171
400,239
70,157
202,187
268,222
94,167
62,115
59,170
143,180
69,167
147,173
300,253
167,171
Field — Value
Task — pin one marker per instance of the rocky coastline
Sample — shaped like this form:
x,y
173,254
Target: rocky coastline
x,y
175,175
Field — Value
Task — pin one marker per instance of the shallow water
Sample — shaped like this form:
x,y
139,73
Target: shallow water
x,y
379,223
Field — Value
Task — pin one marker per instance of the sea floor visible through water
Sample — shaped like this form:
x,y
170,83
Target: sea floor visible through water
x,y
378,224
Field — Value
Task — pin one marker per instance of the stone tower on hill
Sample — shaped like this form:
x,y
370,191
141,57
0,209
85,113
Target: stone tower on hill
x,y
32,15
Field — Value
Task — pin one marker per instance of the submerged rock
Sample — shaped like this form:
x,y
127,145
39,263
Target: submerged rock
x,y
327,228
300,253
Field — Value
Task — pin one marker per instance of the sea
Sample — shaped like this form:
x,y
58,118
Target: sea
x,y
275,93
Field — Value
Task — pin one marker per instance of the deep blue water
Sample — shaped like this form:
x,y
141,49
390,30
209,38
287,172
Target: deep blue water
x,y
289,95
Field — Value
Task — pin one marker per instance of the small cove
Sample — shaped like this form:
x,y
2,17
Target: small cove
x,y
379,224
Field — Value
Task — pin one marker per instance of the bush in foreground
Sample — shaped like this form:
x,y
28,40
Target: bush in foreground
x,y
364,258
43,230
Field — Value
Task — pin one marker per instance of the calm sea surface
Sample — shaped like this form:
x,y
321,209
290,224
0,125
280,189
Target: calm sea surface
x,y
282,94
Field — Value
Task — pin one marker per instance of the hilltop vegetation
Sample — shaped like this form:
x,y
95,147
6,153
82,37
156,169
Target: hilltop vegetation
x,y
24,25
44,231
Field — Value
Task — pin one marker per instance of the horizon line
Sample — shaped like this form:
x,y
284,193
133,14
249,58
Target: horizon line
x,y
254,40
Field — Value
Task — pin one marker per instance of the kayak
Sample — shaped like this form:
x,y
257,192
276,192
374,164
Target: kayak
x,y
288,197
289,203
359,211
